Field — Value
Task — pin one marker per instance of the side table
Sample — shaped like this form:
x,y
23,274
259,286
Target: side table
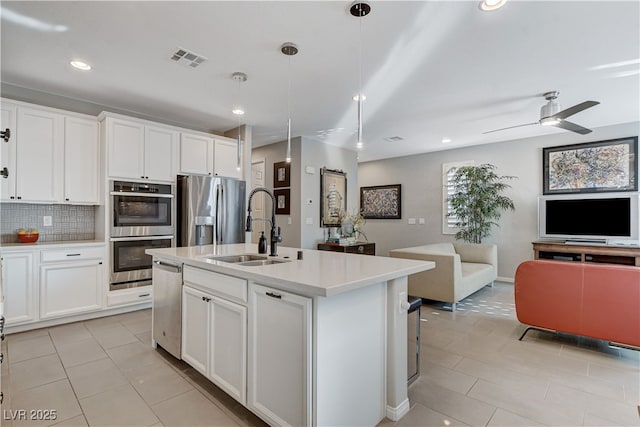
x,y
363,248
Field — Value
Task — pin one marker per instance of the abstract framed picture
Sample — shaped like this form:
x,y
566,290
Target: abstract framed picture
x,y
333,196
381,202
281,174
283,201
601,166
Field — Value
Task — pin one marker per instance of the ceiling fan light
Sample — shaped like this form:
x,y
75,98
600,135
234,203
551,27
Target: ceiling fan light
x,y
491,5
238,111
80,65
549,121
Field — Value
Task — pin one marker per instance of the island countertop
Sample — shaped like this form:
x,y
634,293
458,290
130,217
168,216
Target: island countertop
x,y
319,273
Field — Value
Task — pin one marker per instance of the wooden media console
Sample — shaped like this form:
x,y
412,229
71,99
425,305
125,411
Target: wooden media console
x,y
585,252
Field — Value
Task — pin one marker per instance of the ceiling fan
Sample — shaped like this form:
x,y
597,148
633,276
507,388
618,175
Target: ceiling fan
x,y
550,116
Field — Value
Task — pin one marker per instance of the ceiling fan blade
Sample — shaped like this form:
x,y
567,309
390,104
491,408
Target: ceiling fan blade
x,y
510,127
575,109
572,127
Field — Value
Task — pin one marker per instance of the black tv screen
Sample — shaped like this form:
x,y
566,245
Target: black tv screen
x,y
589,217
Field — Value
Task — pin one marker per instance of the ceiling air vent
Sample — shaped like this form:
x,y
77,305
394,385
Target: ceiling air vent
x,y
187,58
394,138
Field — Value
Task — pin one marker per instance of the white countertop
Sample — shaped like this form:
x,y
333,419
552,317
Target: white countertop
x,y
319,273
50,244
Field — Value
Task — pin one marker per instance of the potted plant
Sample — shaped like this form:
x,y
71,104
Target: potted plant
x,y
477,201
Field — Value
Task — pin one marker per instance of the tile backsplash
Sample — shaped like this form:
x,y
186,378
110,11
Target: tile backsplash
x,y
69,222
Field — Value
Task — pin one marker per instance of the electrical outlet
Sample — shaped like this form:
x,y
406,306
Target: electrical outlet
x,y
412,221
289,221
47,221
420,220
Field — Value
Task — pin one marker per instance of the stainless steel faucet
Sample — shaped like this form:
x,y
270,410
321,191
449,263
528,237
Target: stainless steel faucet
x,y
275,236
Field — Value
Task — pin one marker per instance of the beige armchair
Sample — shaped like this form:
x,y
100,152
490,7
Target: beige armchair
x,y
461,269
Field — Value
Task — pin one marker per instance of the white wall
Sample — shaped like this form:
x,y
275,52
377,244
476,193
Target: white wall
x,y
420,176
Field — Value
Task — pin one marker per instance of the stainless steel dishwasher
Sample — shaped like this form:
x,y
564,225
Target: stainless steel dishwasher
x,y
167,306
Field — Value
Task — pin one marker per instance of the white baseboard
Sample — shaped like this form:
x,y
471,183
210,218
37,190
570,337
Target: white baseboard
x,y
505,279
394,414
75,318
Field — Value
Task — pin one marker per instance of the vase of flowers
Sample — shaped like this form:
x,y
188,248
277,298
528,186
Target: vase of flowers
x,y
352,223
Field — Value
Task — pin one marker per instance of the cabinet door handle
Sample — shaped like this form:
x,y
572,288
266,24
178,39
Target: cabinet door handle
x,y
4,173
143,295
274,295
74,254
5,134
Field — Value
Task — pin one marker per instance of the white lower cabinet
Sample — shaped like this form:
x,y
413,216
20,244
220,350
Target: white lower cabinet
x,y
280,355
195,328
70,288
19,282
214,340
228,350
71,281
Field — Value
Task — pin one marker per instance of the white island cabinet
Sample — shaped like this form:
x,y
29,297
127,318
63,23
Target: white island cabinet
x,y
279,356
310,342
214,319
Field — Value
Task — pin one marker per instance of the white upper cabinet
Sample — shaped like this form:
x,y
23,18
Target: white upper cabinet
x,y
196,154
81,160
50,157
8,150
139,151
225,158
159,153
125,142
39,156
203,155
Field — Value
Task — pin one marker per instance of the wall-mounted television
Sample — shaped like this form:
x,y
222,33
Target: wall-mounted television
x,y
598,218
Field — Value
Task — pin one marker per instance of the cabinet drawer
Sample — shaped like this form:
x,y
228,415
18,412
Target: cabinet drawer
x,y
129,296
72,254
218,284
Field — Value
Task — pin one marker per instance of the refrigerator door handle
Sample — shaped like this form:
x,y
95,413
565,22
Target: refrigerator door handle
x,y
217,238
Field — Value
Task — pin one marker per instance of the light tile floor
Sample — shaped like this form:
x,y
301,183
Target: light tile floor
x,y
474,371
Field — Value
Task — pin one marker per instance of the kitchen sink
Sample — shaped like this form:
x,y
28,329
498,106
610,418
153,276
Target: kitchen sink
x,y
247,259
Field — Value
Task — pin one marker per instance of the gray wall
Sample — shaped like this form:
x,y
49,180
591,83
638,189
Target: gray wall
x,y
317,155
420,176
306,186
275,153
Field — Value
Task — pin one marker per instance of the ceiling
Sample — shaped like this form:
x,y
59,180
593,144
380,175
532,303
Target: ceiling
x,y
430,69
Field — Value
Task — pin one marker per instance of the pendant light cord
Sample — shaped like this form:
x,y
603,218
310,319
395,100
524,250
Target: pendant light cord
x,y
359,138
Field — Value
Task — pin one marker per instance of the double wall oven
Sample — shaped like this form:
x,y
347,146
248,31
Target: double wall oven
x,y
142,217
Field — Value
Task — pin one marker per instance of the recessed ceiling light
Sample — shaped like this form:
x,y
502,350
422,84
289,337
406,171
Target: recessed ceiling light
x,y
80,65
446,140
489,5
238,111
356,97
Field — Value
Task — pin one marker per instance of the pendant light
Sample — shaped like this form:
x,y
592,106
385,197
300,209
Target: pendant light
x,y
360,9
289,49
238,111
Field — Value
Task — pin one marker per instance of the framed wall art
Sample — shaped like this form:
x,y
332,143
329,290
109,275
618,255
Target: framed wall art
x,y
333,196
600,166
283,201
281,174
381,202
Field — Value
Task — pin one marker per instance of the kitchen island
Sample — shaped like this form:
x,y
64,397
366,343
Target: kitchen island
x,y
320,340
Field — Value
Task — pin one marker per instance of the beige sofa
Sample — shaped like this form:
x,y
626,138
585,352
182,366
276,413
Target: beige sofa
x,y
461,269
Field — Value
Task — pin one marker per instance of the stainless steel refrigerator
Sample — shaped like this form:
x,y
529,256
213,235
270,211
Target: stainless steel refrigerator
x,y
210,210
